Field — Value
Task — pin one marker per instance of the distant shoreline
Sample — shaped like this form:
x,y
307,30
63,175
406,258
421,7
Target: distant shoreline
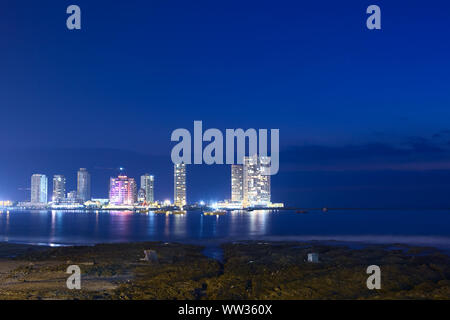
x,y
352,242
247,210
229,209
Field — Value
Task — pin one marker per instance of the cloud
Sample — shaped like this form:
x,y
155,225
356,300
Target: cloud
x,y
413,153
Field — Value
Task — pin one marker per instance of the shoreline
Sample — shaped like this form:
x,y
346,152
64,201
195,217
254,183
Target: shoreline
x,y
352,241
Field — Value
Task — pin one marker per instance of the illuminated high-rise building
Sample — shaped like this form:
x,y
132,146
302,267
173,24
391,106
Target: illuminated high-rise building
x,y
179,185
83,185
148,184
39,188
122,191
59,188
237,183
256,184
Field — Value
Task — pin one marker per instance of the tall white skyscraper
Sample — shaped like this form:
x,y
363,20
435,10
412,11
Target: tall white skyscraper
x,y
39,188
256,185
237,183
83,185
180,185
59,188
148,185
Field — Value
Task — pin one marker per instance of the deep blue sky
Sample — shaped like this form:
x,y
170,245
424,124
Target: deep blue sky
x,y
363,115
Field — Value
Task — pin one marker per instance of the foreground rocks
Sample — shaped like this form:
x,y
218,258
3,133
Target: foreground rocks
x,y
249,270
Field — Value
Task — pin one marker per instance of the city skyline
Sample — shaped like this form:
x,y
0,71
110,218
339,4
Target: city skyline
x,y
248,180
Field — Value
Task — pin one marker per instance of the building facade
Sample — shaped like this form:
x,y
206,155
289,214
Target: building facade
x,y
59,188
72,196
179,185
148,184
39,188
237,183
83,185
141,196
256,184
122,191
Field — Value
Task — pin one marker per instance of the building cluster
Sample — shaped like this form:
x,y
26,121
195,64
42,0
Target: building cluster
x,y
250,188
59,197
123,191
250,184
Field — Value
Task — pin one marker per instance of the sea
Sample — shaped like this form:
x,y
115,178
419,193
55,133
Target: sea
x,y
60,228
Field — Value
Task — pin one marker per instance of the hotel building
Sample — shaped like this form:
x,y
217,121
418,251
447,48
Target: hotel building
x,y
59,188
83,185
122,191
147,184
256,184
39,189
237,183
180,185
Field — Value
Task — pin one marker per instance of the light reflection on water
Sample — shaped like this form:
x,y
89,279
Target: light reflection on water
x,y
258,222
77,227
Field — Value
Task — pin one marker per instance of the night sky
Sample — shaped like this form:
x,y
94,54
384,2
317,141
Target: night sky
x,y
363,114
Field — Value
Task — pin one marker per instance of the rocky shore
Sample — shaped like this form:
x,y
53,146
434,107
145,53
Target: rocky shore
x,y
246,270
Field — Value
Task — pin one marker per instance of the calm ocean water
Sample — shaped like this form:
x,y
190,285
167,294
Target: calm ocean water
x,y
430,228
